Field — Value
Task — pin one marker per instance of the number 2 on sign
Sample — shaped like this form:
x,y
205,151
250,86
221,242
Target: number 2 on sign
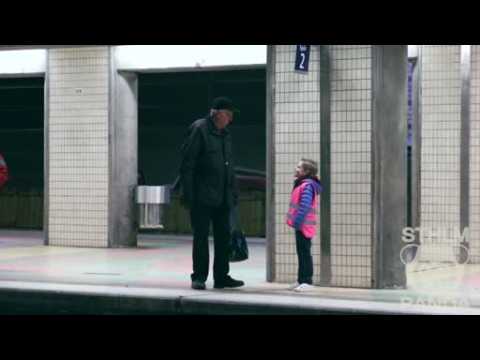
x,y
302,62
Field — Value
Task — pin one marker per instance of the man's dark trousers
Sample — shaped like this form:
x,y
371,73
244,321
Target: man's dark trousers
x,y
201,216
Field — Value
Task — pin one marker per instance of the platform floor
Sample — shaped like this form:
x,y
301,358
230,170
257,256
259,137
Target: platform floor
x,y
163,263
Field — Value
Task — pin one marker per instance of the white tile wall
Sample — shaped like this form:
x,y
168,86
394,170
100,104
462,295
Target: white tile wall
x,y
296,135
351,97
78,146
440,150
475,155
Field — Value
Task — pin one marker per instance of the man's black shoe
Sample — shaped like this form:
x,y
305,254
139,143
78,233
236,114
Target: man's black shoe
x,y
198,285
228,283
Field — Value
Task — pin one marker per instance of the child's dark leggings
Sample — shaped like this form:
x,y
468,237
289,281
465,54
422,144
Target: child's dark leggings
x,y
305,261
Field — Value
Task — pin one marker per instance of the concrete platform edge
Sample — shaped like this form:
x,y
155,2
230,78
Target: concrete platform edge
x,y
19,298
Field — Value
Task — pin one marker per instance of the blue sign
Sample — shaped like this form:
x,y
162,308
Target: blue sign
x,y
411,67
303,57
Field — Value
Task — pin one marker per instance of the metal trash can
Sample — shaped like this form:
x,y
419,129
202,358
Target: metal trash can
x,y
152,202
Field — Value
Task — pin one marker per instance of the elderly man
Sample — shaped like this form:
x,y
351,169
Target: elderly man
x,y
209,190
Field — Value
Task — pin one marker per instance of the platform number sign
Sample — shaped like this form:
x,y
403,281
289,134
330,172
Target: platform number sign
x,y
302,58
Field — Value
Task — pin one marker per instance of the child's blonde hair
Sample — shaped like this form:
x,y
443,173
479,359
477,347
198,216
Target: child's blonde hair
x,y
310,167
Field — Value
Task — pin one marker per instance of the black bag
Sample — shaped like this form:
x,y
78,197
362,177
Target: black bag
x,y
238,247
238,243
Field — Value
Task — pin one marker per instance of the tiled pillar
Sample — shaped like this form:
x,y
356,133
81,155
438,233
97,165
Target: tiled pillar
x,y
363,159
294,133
441,126
351,165
475,156
90,149
77,156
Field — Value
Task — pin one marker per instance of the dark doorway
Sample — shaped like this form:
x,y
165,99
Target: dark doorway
x,y
170,102
22,144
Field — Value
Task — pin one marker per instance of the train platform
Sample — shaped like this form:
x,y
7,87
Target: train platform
x,y
153,279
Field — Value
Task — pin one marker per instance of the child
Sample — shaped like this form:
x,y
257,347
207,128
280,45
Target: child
x,y
302,217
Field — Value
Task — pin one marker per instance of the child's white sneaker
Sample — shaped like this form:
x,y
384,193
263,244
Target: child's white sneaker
x,y
294,286
303,288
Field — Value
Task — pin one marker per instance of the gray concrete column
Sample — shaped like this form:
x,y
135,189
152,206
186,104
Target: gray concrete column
x,y
123,159
389,133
